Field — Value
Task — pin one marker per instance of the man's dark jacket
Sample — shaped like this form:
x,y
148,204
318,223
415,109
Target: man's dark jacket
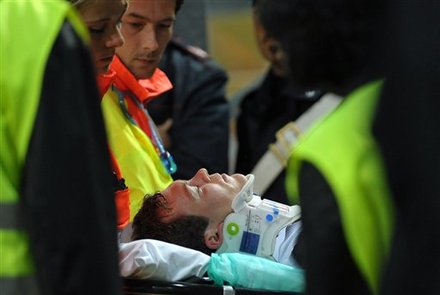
x,y
197,105
263,111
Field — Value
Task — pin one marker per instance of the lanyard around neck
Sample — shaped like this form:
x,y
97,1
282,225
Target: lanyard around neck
x,y
165,157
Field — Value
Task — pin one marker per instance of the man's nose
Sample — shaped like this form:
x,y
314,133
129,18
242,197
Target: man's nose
x,y
149,38
200,178
115,39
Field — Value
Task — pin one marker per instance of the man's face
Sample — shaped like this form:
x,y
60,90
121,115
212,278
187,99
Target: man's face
x,y
207,195
269,47
147,26
102,18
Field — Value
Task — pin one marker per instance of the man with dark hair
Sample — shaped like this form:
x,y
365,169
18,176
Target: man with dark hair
x,y
336,171
198,214
187,231
143,161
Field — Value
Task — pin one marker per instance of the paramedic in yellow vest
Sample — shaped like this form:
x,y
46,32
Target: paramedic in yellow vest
x,y
57,215
146,166
336,172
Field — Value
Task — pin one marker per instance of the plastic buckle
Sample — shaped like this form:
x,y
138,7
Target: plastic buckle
x,y
168,162
288,135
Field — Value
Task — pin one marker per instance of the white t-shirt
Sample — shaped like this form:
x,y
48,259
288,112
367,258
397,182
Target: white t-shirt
x,y
285,243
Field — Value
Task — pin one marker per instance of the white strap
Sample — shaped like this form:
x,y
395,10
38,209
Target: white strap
x,y
275,159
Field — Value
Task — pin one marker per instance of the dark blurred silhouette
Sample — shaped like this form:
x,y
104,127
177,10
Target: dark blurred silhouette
x,y
407,129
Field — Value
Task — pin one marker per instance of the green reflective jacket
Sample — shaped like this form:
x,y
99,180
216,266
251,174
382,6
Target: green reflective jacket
x,y
343,149
28,30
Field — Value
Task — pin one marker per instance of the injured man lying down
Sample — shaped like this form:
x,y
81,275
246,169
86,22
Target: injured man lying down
x,y
220,216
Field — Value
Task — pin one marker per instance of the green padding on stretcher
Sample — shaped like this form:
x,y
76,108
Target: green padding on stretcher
x,y
249,271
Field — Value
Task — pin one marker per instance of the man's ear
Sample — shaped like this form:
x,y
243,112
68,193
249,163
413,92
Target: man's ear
x,y
213,237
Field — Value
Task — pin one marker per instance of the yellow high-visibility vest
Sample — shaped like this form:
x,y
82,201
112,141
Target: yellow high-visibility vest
x,y
28,30
135,154
343,149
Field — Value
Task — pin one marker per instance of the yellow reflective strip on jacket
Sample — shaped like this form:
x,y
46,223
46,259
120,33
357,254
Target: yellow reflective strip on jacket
x,y
136,156
342,147
17,240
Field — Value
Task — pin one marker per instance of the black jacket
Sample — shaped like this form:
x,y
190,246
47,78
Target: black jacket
x,y
66,189
263,111
197,105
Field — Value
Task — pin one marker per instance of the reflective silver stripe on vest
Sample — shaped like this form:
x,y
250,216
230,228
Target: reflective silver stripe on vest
x,y
18,286
10,216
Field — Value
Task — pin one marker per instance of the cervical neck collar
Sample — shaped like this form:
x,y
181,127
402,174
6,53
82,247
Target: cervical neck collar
x,y
254,224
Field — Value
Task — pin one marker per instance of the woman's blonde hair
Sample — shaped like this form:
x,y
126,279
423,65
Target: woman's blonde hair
x,y
79,4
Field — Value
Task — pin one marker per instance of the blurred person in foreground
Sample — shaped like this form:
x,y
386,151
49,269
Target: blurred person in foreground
x,y
53,155
405,127
336,172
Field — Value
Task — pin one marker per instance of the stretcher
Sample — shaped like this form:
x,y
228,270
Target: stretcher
x,y
191,286
156,267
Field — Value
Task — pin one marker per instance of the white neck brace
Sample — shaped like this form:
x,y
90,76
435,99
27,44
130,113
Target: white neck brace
x,y
254,224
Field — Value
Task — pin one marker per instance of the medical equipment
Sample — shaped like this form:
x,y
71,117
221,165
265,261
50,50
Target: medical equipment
x,y
254,224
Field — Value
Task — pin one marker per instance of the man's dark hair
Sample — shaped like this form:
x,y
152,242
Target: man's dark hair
x,y
327,42
187,231
178,5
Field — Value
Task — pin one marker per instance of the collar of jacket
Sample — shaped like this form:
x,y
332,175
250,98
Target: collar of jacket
x,y
144,89
105,80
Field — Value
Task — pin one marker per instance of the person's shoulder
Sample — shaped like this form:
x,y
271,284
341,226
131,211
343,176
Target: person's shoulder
x,y
180,46
191,60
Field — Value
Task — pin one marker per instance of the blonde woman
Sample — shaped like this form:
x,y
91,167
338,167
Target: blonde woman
x,y
103,19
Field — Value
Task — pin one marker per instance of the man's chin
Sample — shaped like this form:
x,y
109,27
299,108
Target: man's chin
x,y
142,69
141,74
